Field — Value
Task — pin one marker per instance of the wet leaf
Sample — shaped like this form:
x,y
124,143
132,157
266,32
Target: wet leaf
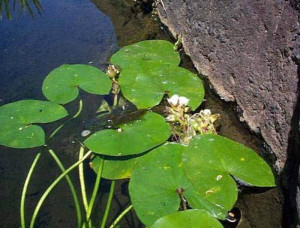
x,y
61,85
210,160
187,219
158,176
115,168
138,136
145,84
16,119
160,51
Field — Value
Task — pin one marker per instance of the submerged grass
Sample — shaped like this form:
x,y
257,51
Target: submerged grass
x,y
26,5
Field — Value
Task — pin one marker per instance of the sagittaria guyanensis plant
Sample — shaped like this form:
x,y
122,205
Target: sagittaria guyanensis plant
x,y
181,172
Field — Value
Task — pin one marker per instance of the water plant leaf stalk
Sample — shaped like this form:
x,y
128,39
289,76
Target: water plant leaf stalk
x,y
116,99
95,190
120,216
23,197
64,123
110,196
51,187
82,182
72,188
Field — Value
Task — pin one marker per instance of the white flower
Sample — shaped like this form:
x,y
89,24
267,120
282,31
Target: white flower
x,y
207,112
183,101
174,100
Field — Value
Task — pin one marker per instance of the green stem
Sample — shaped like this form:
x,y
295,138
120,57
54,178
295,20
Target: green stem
x,y
115,104
79,110
120,217
23,197
81,180
22,207
49,189
63,124
95,190
72,188
110,196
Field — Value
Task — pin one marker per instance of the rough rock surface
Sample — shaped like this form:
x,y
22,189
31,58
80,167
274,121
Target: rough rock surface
x,y
248,50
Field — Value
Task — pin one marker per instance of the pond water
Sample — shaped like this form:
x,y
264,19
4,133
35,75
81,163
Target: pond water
x,y
68,31
88,32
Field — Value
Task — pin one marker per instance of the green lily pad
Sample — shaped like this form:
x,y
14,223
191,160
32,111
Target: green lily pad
x,y
158,50
115,168
61,85
210,160
187,219
145,84
16,119
159,175
138,136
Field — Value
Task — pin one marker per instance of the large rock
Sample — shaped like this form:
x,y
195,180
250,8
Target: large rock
x,y
248,50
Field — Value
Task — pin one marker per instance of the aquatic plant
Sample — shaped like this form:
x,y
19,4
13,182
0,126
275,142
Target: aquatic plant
x,y
181,172
9,5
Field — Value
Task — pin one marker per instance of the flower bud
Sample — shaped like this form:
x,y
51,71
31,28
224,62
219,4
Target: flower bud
x,y
207,112
112,71
171,118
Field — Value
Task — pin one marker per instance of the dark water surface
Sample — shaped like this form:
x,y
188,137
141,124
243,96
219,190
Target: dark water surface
x,y
78,31
66,31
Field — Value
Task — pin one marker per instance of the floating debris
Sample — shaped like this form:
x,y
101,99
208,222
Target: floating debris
x,y
85,133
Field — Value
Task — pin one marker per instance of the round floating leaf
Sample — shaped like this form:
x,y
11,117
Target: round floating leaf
x,y
16,118
187,219
210,160
114,168
159,176
131,138
61,85
158,50
145,84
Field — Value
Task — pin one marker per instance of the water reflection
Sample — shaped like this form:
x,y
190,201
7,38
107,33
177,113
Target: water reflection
x,y
68,31
7,7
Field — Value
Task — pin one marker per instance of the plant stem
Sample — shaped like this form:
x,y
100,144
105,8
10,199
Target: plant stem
x,y
23,197
79,109
72,188
64,123
115,104
81,179
60,165
95,190
57,180
110,196
22,207
120,216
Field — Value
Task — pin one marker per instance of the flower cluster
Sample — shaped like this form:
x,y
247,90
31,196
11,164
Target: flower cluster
x,y
179,106
185,125
203,122
112,71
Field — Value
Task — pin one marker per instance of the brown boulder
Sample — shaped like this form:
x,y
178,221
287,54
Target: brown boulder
x,y
248,50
